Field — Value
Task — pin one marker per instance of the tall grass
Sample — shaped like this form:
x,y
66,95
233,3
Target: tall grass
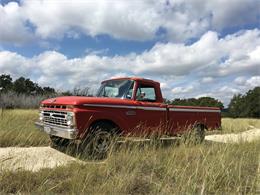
x,y
17,128
14,100
209,168
202,169
230,125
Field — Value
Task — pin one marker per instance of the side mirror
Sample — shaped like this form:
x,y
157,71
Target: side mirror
x,y
141,96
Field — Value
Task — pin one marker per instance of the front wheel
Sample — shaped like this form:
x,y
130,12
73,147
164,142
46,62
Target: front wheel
x,y
99,141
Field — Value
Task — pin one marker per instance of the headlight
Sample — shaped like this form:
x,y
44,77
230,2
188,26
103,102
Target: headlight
x,y
70,118
41,116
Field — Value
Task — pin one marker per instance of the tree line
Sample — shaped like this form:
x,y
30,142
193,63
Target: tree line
x,y
22,86
247,105
202,101
240,106
26,86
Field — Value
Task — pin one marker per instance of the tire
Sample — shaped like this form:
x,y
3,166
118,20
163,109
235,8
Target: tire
x,y
199,131
99,141
195,136
58,141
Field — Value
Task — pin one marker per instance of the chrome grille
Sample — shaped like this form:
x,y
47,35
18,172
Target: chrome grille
x,y
55,118
54,106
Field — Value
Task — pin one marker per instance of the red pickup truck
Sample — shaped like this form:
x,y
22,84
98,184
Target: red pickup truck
x,y
124,106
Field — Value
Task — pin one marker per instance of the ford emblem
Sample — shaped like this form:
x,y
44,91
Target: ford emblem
x,y
52,100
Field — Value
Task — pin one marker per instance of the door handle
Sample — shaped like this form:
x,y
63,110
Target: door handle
x,y
130,113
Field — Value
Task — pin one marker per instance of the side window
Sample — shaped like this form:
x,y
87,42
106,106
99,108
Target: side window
x,y
146,93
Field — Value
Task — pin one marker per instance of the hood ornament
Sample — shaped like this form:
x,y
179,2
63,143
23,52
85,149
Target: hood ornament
x,y
52,100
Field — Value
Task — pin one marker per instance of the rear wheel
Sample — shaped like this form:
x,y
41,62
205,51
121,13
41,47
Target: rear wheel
x,y
199,133
195,136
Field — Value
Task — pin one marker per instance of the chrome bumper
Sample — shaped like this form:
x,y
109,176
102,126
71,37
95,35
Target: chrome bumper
x,y
67,133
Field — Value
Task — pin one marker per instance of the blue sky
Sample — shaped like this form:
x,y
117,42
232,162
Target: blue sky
x,y
194,48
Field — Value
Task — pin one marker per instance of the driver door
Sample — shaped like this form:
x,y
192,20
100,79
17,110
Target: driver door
x,y
150,112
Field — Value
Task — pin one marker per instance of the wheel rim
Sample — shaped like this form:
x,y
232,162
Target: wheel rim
x,y
102,142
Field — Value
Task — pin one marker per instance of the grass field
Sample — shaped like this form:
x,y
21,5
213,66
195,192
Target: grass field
x,y
206,168
17,129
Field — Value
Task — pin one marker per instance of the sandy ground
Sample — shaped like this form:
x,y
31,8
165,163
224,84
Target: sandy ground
x,y
36,158
33,158
246,136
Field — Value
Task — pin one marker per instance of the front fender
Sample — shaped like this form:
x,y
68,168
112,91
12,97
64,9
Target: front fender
x,y
87,117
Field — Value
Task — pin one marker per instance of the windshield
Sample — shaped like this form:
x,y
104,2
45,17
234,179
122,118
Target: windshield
x,y
116,89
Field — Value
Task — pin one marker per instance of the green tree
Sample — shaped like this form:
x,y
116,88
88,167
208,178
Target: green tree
x,y
247,105
48,90
5,83
22,85
209,101
202,101
235,106
252,102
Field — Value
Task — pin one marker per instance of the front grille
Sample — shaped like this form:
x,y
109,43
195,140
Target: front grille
x,y
55,118
54,106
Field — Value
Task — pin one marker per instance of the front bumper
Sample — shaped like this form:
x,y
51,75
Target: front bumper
x,y
67,133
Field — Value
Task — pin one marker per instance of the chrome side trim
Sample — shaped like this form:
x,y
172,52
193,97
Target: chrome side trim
x,y
109,106
151,108
192,110
128,107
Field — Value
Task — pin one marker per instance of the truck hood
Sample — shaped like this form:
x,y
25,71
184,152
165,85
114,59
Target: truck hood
x,y
77,100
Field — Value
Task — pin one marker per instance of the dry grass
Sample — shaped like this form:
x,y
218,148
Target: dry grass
x,y
174,170
14,100
17,129
137,169
230,125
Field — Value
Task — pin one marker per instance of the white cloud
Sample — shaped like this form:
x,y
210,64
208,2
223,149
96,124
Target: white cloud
x,y
15,64
207,80
120,19
13,24
164,86
90,51
181,90
241,80
210,56
183,68
253,82
131,20
233,12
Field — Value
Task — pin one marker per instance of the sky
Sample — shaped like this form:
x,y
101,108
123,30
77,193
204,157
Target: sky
x,y
194,48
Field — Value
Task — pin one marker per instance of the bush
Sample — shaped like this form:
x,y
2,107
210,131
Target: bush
x,y
12,99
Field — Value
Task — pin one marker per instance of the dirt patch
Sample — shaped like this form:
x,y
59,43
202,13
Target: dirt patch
x,y
33,158
246,136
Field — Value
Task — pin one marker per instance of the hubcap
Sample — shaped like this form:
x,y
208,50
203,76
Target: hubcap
x,y
102,142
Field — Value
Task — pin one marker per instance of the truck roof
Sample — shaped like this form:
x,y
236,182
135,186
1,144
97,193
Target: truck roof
x,y
132,78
